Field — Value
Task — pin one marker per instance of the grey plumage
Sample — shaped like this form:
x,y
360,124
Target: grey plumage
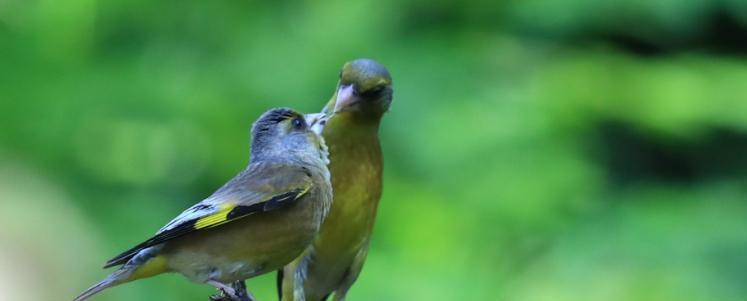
x,y
258,221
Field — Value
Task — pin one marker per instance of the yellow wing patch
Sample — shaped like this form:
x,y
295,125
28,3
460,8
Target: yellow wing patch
x,y
215,218
226,213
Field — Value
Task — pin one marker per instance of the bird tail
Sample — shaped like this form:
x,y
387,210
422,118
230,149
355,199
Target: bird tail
x,y
113,279
133,270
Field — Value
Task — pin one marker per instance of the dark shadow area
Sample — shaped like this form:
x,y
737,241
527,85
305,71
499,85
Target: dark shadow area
x,y
631,155
721,33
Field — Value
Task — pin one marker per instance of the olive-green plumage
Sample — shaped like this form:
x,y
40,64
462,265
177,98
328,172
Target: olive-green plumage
x,y
256,223
334,261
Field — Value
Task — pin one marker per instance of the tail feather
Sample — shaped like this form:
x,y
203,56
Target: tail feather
x,y
110,281
145,264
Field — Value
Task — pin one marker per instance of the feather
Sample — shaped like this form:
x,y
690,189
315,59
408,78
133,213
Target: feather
x,y
210,218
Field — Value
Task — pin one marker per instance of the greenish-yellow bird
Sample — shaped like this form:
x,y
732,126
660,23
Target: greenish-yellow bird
x,y
256,223
352,116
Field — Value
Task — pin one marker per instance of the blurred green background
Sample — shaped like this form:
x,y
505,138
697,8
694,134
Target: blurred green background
x,y
535,150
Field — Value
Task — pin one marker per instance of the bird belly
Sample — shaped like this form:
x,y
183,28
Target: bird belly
x,y
356,180
328,268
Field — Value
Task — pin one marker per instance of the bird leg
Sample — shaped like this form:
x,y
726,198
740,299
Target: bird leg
x,y
236,292
226,292
241,292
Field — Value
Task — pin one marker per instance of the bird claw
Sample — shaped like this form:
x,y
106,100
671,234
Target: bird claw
x,y
224,295
240,291
219,297
237,292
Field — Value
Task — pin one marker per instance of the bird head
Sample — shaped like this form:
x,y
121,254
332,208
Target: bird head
x,y
364,90
283,133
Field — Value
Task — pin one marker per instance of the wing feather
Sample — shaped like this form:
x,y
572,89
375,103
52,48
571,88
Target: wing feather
x,y
226,205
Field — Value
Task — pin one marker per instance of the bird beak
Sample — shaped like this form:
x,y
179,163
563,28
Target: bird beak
x,y
346,97
316,122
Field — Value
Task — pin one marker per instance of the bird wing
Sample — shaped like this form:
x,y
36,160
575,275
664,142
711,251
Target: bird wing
x,y
262,187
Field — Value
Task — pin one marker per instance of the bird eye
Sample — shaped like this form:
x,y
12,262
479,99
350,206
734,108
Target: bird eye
x,y
373,91
298,123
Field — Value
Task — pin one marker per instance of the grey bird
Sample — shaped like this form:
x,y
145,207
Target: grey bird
x,y
257,222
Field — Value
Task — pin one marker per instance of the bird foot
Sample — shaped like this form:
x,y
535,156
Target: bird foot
x,y
236,292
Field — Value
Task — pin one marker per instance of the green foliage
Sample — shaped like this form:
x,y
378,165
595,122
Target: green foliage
x,y
535,150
